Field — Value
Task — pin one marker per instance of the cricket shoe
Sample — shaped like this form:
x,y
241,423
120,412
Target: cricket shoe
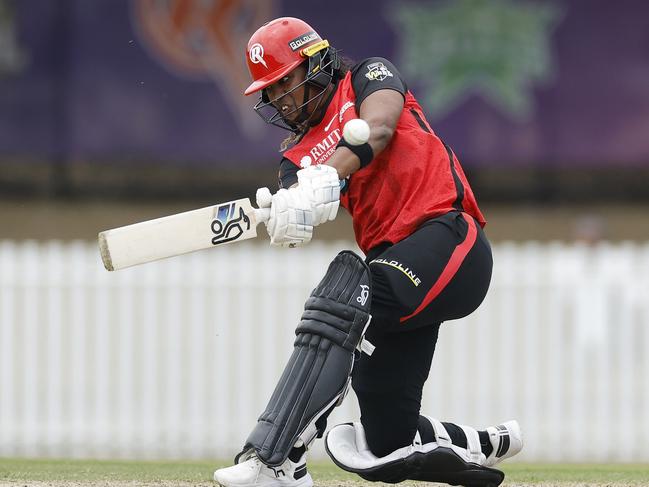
x,y
506,440
254,473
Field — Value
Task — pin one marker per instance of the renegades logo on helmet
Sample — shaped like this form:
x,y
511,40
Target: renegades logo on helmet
x,y
257,54
298,42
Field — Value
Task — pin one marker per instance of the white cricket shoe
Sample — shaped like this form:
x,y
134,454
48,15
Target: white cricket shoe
x,y
506,440
254,473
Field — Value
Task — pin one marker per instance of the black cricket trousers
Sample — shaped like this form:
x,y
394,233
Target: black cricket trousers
x,y
441,272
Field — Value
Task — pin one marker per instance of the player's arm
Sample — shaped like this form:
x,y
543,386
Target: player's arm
x,y
381,110
379,102
287,176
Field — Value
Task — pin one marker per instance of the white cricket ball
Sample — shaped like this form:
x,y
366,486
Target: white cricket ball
x,y
356,131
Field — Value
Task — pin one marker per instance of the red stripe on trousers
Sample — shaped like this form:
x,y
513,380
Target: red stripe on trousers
x,y
453,264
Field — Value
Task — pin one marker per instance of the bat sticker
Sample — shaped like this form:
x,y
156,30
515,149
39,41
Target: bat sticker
x,y
225,228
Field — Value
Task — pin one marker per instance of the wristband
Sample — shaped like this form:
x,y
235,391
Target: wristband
x,y
364,151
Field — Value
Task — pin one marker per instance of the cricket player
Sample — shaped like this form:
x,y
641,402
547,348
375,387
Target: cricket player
x,y
375,321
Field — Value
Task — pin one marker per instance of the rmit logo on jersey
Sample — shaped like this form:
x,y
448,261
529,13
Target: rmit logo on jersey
x,y
298,42
323,150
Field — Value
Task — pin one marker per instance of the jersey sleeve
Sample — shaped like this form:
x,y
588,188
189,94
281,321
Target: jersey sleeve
x,y
287,173
374,74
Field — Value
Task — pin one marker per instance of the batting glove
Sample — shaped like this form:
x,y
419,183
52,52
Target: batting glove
x,y
291,219
321,187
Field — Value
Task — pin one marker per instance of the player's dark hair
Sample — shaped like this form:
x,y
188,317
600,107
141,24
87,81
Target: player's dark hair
x,y
346,65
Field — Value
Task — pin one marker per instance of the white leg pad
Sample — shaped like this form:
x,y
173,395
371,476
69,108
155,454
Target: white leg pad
x,y
347,446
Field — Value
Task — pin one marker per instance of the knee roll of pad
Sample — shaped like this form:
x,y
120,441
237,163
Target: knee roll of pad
x,y
316,376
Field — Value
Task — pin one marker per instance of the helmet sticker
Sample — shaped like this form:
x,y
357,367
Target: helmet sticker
x,y
257,54
299,41
377,72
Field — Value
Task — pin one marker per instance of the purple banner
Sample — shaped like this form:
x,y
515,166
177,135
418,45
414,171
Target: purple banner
x,y
505,82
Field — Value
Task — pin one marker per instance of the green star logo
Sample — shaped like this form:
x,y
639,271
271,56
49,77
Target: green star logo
x,y
499,49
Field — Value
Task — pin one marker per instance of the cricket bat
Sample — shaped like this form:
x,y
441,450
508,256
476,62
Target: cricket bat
x,y
182,233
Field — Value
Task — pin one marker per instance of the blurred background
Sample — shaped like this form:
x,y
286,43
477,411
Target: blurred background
x,y
117,111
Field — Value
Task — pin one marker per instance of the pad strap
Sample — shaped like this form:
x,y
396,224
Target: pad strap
x,y
473,444
441,435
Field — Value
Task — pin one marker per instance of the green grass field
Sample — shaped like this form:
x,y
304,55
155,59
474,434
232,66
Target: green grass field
x,y
120,473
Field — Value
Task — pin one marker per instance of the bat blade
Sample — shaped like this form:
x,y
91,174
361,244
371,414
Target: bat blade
x,y
178,234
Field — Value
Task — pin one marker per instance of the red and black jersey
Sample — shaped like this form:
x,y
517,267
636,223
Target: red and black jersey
x,y
414,179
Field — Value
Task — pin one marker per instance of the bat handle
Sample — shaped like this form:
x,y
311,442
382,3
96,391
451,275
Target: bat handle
x,y
262,215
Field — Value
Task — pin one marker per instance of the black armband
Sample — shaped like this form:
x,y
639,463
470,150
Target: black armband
x,y
364,151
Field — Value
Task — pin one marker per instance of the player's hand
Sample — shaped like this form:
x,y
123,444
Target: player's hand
x,y
321,186
291,219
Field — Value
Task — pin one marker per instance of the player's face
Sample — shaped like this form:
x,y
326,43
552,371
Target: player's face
x,y
287,95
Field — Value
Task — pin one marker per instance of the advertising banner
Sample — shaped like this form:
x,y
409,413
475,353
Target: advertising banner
x,y
505,82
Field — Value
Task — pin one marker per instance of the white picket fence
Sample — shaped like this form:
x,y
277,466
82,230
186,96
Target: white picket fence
x,y
176,359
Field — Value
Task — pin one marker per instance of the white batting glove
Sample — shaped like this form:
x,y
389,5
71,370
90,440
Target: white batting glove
x,y
291,219
321,186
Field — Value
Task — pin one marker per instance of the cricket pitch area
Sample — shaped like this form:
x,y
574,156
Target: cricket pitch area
x,y
93,473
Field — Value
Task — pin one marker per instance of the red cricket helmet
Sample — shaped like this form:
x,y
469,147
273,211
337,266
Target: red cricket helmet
x,y
276,48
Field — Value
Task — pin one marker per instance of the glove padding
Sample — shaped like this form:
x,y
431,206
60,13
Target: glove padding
x,y
291,219
321,186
